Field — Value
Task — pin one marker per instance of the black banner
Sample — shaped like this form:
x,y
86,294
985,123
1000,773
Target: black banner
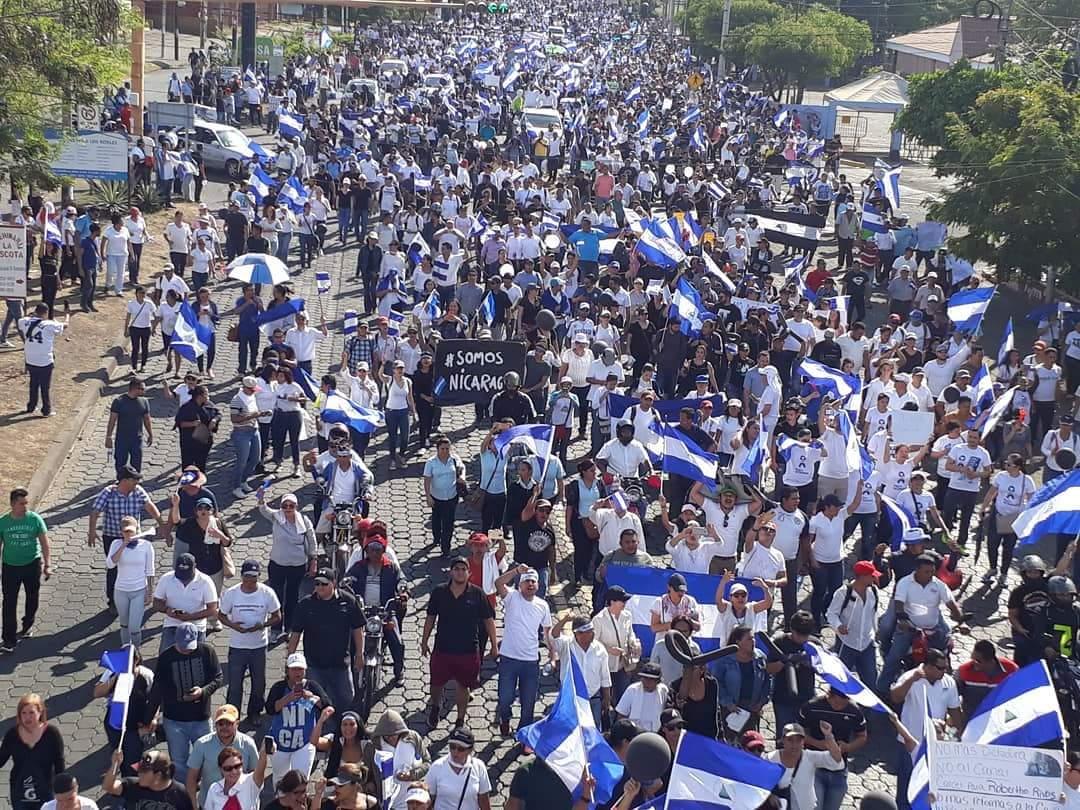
x,y
472,370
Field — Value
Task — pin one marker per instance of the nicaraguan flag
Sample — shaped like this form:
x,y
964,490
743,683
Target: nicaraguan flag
x,y
52,233
686,305
639,47
1020,711
793,275
755,456
511,76
918,793
259,152
643,122
396,321
350,323
1000,407
487,310
537,438
889,186
960,269
659,250
1053,509
384,762
341,410
432,308
967,308
982,391
568,741
852,456
294,193
190,338
686,230
550,222
307,383
692,115
714,270
708,775
682,456
120,663
646,584
667,410
872,220
698,140
326,41
479,225
716,190
801,231
780,119
633,94
1008,342
250,77
421,184
290,125
322,281
828,379
281,316
418,249
832,670
261,184
898,519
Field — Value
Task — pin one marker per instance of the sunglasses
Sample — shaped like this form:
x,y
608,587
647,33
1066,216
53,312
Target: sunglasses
x,y
322,583
288,506
230,768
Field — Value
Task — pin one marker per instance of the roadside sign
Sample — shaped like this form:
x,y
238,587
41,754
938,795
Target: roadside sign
x,y
695,80
87,118
12,261
91,156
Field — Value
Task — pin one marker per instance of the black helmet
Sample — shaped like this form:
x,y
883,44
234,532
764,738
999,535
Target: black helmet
x,y
1033,562
1061,589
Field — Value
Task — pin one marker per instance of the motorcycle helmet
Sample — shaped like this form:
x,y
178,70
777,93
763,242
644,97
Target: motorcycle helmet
x,y
1032,562
511,380
1061,589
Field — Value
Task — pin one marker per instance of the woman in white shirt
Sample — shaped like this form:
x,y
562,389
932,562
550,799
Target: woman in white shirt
x,y
115,241
399,406
168,312
133,558
284,227
288,417
769,404
139,322
731,425
742,444
137,237
1010,490
235,783
614,626
269,225
202,258
459,781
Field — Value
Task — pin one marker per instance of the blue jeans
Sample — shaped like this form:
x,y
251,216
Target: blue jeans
x,y
89,286
129,610
862,662
180,735
14,312
827,577
784,713
338,685
248,447
901,644
904,766
867,524
127,450
831,787
359,222
343,223
518,677
240,662
397,430
283,241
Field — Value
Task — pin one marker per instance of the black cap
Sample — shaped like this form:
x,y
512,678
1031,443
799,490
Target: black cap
x,y
127,471
677,582
250,568
460,560
185,561
462,736
671,717
324,573
616,593
622,730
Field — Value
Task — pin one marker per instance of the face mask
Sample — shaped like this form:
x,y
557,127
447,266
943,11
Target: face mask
x,y
185,575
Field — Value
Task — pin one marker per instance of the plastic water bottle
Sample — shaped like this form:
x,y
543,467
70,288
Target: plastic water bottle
x,y
265,485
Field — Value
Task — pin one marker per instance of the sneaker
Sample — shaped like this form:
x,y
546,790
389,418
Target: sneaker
x,y
295,470
247,490
988,578
504,728
239,492
27,631
6,649
7,344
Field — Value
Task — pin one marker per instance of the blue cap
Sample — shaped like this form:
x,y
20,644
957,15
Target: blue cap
x,y
187,637
702,378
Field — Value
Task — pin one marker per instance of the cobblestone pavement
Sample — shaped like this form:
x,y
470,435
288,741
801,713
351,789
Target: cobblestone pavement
x,y
73,629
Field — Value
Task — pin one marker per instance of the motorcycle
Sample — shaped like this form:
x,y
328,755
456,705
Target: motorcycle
x,y
1065,676
336,548
640,491
376,622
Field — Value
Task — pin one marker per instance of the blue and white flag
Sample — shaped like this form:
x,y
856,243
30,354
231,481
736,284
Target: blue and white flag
x,y
418,248
687,307
691,116
659,250
1008,342
568,741
646,584
697,140
350,323
918,793
384,762
1053,509
642,122
640,46
432,308
872,220
339,409
261,184
550,222
1020,711
780,118
828,379
1000,407
982,390
967,308
479,225
538,438
249,76
486,312
281,316
290,125
308,384
755,457
52,233
322,281
120,663
511,76
633,94
832,670
889,185
190,338
714,270
294,193
706,774
395,323
898,519
682,456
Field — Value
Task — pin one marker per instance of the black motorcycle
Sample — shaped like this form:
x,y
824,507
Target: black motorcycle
x,y
377,620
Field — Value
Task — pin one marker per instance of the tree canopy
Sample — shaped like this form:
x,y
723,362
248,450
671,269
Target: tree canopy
x,y
52,52
704,20
1015,157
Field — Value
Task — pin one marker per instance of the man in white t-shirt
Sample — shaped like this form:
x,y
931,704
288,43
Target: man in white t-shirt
x,y
525,617
66,795
247,610
726,519
39,334
178,237
968,464
186,596
303,340
643,701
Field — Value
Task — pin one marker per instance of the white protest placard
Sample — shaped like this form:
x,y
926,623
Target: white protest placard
x,y
912,427
12,261
995,777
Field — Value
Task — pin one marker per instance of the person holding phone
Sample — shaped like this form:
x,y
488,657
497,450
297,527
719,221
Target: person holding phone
x,y
132,555
245,413
296,704
237,789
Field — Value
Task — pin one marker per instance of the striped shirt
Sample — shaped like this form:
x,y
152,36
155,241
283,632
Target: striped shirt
x,y
114,506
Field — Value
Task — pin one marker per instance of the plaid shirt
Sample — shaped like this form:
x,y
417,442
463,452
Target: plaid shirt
x,y
114,506
359,350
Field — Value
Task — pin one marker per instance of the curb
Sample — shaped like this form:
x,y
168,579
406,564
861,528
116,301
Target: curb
x,y
58,452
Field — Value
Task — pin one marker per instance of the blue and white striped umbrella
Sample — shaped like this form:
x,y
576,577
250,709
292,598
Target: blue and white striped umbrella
x,y
258,268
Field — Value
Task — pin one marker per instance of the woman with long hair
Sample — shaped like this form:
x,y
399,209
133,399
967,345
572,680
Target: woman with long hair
x,y
234,783
288,404
731,424
742,444
36,750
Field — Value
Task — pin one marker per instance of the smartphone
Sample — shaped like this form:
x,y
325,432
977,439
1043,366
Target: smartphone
x,y
269,745
698,532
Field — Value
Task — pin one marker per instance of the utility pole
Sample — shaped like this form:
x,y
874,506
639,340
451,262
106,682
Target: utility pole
x,y
164,24
176,30
204,13
1005,29
721,69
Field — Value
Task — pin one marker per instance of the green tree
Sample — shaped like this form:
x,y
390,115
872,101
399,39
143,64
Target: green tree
x,y
52,56
1016,163
803,46
705,21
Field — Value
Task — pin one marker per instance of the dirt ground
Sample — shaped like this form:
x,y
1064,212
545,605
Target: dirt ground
x,y
80,359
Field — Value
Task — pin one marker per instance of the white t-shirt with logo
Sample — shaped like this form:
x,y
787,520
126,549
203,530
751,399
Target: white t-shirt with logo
x,y
789,529
801,463
1012,490
38,349
248,610
974,459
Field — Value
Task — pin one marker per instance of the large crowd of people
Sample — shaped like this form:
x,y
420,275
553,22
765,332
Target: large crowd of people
x,y
548,178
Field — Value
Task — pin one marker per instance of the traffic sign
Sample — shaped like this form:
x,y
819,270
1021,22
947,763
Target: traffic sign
x,y
87,118
695,80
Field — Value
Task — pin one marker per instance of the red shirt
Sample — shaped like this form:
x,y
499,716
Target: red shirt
x,y
815,278
476,577
968,673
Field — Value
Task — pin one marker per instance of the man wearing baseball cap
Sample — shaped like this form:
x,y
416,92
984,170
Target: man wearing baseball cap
x,y
526,616
203,768
244,413
853,613
248,609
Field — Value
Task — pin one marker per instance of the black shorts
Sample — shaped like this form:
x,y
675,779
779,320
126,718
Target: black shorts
x,y
808,494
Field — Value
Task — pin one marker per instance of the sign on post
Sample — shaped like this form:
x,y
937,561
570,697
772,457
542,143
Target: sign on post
x,y
995,777
91,156
472,370
12,261
271,52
